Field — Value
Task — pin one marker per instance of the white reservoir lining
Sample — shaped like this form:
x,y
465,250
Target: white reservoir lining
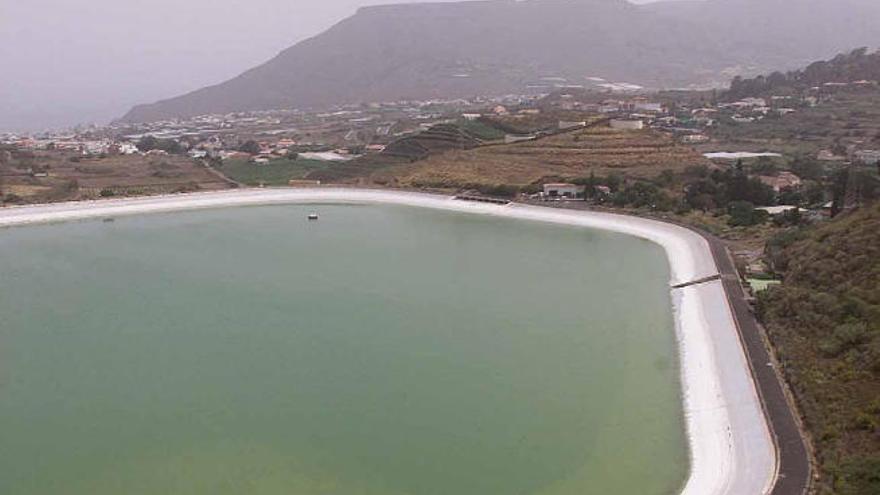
x,y
731,448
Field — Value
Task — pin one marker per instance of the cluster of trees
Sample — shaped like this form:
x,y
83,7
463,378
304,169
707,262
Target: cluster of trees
x,y
718,189
149,143
854,66
733,191
864,181
250,146
643,195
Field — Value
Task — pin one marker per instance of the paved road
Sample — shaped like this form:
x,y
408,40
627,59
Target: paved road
x,y
794,461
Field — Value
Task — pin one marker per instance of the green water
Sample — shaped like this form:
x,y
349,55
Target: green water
x,y
381,350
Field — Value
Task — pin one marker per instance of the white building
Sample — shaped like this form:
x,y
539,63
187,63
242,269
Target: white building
x,y
563,190
629,125
868,157
565,125
648,107
778,210
695,139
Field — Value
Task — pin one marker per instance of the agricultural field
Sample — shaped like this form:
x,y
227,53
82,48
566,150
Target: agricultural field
x,y
48,176
596,150
275,173
481,130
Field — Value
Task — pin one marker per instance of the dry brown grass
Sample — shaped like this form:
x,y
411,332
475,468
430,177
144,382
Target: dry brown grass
x,y
598,150
71,177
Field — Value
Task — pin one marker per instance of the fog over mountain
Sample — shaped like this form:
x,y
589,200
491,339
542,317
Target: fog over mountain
x,y
75,62
502,46
64,62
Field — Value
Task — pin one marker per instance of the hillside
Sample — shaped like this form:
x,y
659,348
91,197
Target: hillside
x,y
781,34
438,139
824,321
858,65
597,150
423,51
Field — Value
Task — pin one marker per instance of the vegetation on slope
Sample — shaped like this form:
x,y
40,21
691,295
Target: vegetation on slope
x,y
483,129
437,139
858,65
824,321
841,119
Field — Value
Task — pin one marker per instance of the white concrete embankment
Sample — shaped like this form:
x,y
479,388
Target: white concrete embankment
x,y
731,448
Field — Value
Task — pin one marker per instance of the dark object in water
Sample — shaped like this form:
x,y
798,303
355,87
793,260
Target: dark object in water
x,y
108,220
313,216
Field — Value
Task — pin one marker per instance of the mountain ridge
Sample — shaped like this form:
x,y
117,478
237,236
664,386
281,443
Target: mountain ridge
x,y
466,49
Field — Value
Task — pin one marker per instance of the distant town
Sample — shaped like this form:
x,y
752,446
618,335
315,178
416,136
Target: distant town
x,y
34,166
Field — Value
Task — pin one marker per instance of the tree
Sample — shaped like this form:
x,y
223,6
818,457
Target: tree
x,y
643,195
738,186
149,143
251,147
666,177
701,195
765,166
744,214
613,182
791,196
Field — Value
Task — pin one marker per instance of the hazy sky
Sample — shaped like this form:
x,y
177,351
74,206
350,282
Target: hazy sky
x,y
64,62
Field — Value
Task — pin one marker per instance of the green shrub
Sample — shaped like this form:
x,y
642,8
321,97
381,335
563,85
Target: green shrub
x,y
859,476
844,338
744,214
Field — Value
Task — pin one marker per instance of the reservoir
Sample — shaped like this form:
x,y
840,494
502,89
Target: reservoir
x,y
381,350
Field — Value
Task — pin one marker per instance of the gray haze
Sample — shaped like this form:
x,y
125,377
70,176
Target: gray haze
x,y
71,62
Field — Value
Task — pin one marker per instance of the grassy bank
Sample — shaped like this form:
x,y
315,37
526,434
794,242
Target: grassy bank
x,y
274,173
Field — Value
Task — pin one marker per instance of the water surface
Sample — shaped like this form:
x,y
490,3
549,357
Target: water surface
x,y
381,350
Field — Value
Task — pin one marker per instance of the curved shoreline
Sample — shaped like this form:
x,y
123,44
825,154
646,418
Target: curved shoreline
x,y
731,447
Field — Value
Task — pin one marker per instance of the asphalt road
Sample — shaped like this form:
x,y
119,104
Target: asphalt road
x,y
795,470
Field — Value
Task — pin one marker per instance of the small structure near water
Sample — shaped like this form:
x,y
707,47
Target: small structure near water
x,y
482,199
563,190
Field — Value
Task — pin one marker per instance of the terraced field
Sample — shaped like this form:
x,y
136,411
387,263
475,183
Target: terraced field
x,y
599,150
435,140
